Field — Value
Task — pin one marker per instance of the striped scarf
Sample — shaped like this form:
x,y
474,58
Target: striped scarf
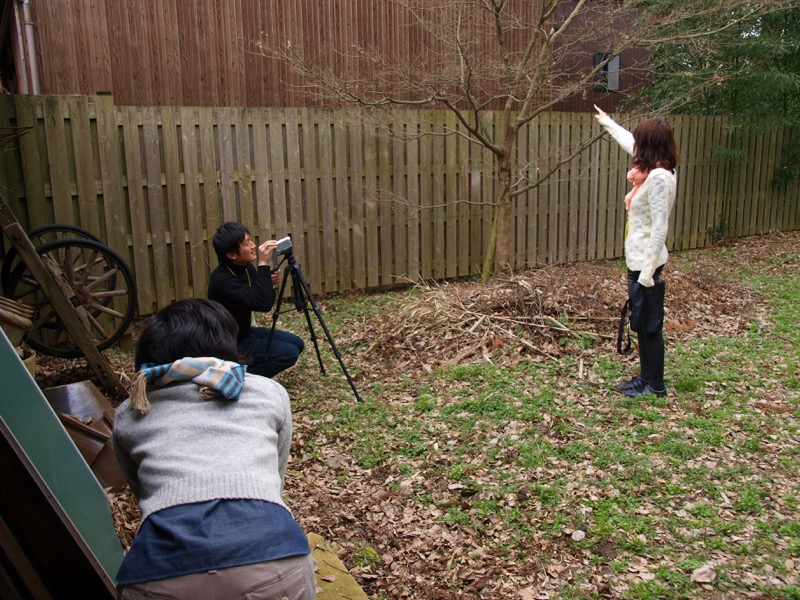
x,y
217,379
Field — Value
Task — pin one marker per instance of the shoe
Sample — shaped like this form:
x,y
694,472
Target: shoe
x,y
624,386
645,390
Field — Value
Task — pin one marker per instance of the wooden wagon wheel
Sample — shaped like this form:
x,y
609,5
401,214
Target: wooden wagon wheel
x,y
38,237
104,294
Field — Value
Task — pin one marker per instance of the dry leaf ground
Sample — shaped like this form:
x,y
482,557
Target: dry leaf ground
x,y
492,459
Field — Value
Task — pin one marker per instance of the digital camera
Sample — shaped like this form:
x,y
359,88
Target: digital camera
x,y
284,246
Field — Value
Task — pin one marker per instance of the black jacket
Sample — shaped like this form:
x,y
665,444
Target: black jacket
x,y
242,290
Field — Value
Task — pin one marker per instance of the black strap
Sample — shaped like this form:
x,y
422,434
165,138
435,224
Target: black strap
x,y
623,327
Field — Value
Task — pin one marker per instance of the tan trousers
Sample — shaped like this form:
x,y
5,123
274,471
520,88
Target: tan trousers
x,y
286,579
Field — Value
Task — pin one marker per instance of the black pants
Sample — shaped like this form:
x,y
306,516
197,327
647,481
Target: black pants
x,y
651,345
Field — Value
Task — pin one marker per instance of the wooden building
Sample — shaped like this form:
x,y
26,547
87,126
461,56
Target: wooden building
x,y
204,52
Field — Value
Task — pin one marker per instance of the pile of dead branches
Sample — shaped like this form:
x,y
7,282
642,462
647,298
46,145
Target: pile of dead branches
x,y
543,314
536,312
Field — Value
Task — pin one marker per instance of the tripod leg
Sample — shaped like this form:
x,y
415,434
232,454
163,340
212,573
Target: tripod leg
x,y
307,292
302,304
276,313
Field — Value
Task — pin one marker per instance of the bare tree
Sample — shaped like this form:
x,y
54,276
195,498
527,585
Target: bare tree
x,y
519,57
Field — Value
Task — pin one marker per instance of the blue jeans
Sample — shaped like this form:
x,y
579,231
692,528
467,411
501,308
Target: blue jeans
x,y
283,352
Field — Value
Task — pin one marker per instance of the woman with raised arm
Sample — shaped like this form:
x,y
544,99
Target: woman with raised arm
x,y
648,205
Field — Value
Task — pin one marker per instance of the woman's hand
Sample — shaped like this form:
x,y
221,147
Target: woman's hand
x,y
646,281
600,112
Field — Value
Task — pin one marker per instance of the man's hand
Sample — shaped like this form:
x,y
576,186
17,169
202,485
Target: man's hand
x,y
600,112
276,277
265,251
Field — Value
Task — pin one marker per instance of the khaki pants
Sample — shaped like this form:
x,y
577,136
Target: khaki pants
x,y
286,579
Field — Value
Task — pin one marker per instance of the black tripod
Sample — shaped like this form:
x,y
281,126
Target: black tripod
x,y
302,297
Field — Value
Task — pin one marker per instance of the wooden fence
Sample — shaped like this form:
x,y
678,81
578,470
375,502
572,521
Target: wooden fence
x,y
364,210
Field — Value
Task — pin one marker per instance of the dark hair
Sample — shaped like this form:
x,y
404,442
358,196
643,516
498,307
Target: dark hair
x,y
193,327
654,145
228,238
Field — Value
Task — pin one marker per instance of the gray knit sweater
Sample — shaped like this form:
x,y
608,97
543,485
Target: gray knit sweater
x,y
187,449
648,217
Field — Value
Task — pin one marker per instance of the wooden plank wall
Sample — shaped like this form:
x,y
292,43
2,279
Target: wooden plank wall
x,y
364,210
203,53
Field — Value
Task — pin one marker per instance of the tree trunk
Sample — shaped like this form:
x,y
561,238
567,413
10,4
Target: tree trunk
x,y
498,251
488,259
503,259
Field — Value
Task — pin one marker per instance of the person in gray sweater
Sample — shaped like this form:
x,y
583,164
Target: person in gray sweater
x,y
655,155
204,446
